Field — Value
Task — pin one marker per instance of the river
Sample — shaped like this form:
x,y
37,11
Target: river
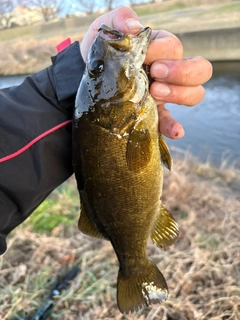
x,y
212,128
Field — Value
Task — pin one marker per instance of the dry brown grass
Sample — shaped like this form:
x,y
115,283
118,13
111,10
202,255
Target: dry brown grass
x,y
202,269
23,50
25,56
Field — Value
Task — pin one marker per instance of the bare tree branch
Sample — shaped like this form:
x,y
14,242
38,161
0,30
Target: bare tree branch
x,y
6,8
108,4
49,9
88,6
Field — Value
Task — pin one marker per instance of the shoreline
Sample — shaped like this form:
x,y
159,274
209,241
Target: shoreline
x,y
27,56
209,30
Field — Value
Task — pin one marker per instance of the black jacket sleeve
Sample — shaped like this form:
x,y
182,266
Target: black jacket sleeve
x,y
33,162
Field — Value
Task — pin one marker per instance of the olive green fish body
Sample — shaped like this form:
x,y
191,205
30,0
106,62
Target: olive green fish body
x,y
118,158
119,197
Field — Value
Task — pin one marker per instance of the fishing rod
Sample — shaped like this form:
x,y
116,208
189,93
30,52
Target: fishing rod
x,y
45,309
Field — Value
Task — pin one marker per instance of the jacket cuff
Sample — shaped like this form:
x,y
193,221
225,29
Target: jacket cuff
x,y
67,71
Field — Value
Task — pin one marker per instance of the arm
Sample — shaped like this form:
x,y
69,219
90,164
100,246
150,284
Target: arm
x,y
36,160
46,100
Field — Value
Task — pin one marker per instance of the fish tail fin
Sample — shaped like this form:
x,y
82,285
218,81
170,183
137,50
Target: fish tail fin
x,y
137,291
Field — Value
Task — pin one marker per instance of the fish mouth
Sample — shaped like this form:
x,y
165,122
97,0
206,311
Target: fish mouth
x,y
108,33
145,32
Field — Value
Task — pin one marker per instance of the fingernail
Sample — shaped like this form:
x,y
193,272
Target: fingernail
x,y
163,90
133,24
160,71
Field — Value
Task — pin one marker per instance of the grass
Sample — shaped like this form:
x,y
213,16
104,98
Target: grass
x,y
25,56
61,209
201,268
154,9
227,8
27,49
15,33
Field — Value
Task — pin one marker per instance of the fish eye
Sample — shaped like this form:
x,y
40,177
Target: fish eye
x,y
96,67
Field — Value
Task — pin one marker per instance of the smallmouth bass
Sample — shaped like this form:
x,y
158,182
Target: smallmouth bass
x,y
118,158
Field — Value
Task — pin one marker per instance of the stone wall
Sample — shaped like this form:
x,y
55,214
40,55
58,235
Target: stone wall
x,y
215,45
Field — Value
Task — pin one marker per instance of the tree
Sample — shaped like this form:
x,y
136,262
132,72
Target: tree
x,y
108,4
133,2
88,6
49,9
6,11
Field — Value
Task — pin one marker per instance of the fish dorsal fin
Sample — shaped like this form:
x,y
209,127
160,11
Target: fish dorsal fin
x,y
165,153
139,149
165,230
86,226
140,290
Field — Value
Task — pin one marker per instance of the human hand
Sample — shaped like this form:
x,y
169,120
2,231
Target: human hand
x,y
174,79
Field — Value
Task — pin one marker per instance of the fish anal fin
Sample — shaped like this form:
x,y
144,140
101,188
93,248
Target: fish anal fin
x,y
165,153
138,291
139,149
86,226
165,230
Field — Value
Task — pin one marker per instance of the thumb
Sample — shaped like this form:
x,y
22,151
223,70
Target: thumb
x,y
123,19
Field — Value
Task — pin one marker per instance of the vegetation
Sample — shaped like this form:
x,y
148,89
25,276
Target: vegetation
x,y
6,7
201,269
28,49
28,12
149,9
228,7
11,11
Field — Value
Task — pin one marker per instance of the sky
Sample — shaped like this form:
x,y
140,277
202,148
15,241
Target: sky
x,y
72,6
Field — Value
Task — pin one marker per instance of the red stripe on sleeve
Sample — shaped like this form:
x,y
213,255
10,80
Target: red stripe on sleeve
x,y
27,146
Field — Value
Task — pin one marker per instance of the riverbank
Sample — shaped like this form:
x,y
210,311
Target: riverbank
x,y
201,268
208,30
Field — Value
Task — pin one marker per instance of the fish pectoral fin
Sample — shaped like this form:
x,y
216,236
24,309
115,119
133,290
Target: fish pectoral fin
x,y
165,153
165,230
137,291
86,226
139,149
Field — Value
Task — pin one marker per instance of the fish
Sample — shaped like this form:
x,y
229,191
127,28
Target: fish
x,y
118,159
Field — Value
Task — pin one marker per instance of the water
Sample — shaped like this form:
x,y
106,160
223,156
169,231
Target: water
x,y
212,128
8,81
